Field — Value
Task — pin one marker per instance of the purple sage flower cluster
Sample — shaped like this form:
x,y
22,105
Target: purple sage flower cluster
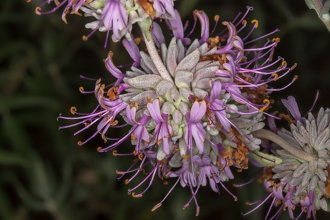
x,y
196,107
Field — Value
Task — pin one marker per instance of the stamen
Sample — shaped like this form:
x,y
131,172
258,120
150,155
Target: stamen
x,y
230,193
300,214
168,193
84,38
136,196
267,102
37,10
277,214
156,207
276,39
258,206
252,203
133,138
275,76
113,93
81,89
270,208
255,22
197,211
73,110
258,38
193,27
279,89
248,9
216,19
113,122
119,172
311,109
152,174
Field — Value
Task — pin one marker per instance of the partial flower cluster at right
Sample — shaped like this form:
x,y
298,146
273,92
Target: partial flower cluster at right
x,y
302,180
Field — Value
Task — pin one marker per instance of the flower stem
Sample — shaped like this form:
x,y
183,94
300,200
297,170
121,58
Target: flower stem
x,y
269,135
152,50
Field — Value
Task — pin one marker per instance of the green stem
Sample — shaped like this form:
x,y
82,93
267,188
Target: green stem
x,y
266,134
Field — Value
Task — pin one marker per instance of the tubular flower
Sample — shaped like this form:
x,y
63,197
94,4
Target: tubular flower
x,y
192,105
117,16
104,115
302,179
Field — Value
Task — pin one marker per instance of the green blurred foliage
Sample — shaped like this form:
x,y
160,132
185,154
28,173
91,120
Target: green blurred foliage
x,y
45,175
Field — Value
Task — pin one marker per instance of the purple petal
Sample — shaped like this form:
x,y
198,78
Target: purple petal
x,y
223,120
197,112
112,68
130,114
133,51
215,90
154,111
166,146
177,26
145,135
278,193
163,6
115,17
198,134
204,20
292,106
157,34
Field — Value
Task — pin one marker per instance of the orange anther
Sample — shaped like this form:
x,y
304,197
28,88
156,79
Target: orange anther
x,y
156,207
37,10
73,110
136,196
84,38
255,22
267,102
275,76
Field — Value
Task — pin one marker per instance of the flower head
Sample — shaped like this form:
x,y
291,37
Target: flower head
x,y
192,106
117,16
302,179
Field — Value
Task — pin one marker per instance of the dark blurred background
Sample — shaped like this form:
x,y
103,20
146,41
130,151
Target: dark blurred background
x,y
45,175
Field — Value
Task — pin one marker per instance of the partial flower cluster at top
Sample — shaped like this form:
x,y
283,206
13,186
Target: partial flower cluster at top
x,y
117,16
195,108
